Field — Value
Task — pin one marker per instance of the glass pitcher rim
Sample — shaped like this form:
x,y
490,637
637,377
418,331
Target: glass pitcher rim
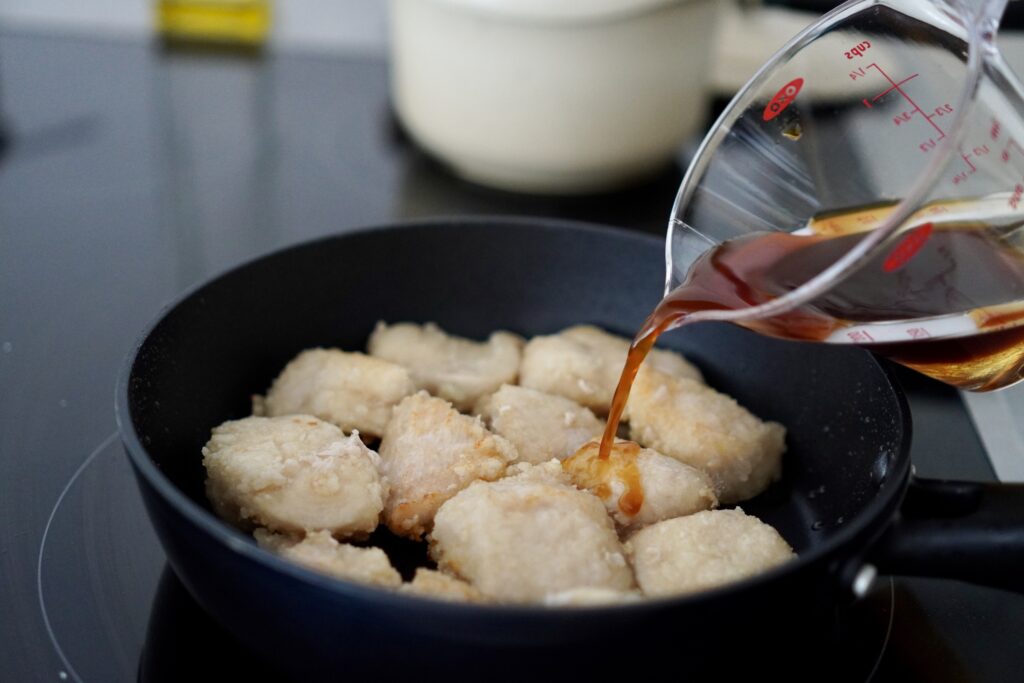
x,y
979,28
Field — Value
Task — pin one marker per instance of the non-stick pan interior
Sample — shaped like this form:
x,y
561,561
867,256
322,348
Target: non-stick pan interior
x,y
225,341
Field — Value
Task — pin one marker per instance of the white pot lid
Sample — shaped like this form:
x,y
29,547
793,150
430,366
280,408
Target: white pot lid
x,y
559,10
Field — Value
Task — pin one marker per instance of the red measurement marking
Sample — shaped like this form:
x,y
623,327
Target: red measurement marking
x,y
894,85
941,110
1005,156
859,50
995,129
918,333
967,160
907,247
860,336
783,99
866,103
1018,192
903,117
897,87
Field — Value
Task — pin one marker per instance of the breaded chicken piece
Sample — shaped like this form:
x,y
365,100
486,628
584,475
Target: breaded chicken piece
x,y
524,537
704,550
320,552
351,390
541,426
639,486
590,597
699,426
435,584
584,363
549,472
429,453
456,369
294,474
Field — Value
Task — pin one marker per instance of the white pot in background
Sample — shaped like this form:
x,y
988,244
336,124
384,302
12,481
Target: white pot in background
x,y
551,96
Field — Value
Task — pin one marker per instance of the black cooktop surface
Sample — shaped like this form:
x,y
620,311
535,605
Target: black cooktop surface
x,y
130,174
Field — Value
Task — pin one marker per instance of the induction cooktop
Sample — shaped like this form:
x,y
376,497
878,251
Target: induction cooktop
x,y
130,174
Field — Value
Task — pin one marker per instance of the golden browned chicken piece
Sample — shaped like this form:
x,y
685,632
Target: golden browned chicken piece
x,y
541,426
351,390
429,453
456,369
583,363
704,550
590,597
294,474
434,584
639,486
320,552
695,424
528,536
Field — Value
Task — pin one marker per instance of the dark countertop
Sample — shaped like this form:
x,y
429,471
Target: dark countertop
x,y
130,174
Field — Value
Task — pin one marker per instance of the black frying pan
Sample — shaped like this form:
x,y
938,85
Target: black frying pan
x,y
846,473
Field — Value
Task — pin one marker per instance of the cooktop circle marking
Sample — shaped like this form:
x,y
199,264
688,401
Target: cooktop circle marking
x,y
888,630
69,670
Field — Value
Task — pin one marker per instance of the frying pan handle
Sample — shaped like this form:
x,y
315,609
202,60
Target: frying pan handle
x,y
957,530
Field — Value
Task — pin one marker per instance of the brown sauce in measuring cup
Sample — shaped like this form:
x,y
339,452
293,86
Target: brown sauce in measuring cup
x,y
952,268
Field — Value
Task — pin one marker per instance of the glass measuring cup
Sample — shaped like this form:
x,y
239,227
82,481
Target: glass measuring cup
x,y
897,126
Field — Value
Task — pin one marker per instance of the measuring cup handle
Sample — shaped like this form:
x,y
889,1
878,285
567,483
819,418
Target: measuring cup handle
x,y
990,11
958,530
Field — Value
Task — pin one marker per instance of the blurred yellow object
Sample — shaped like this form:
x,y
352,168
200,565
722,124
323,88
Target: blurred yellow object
x,y
214,21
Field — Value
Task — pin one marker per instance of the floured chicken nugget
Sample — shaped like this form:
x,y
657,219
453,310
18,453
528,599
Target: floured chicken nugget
x,y
430,452
590,597
541,426
294,474
695,424
456,369
639,486
549,472
435,584
351,390
704,550
524,537
320,552
584,363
